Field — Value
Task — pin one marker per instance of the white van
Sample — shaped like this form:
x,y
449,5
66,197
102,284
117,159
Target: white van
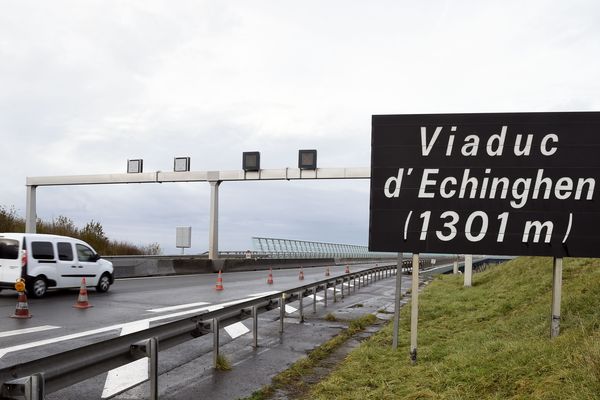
x,y
46,261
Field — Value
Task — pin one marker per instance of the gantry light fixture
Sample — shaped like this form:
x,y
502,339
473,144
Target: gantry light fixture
x,y
251,161
181,164
135,166
307,159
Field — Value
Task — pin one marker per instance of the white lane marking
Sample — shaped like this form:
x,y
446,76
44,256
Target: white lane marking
x,y
236,330
178,307
158,277
28,330
264,293
289,309
127,376
25,346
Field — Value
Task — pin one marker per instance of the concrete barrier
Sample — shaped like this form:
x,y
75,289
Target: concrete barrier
x,y
140,266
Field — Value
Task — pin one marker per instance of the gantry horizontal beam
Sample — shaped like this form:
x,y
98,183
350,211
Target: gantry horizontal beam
x,y
202,176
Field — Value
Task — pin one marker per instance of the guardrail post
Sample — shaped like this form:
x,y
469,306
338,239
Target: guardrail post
x,y
343,279
149,348
301,306
354,280
153,367
325,293
281,312
254,327
215,329
315,299
334,290
28,388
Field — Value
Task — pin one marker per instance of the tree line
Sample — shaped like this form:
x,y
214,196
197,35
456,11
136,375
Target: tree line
x,y
92,233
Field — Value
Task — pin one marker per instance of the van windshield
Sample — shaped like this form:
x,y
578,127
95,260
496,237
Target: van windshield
x,y
9,249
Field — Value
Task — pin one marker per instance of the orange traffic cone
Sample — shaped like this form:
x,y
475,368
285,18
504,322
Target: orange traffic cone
x,y
22,309
270,278
347,269
327,272
301,276
82,299
219,285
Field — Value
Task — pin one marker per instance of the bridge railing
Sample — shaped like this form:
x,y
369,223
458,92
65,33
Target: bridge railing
x,y
291,248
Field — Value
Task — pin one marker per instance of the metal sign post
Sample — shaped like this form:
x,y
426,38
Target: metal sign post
x,y
455,266
468,270
397,298
414,310
556,296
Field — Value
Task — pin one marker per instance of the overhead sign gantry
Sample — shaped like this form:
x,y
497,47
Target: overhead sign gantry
x,y
214,178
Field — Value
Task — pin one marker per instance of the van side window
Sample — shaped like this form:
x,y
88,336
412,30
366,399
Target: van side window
x,y
84,253
42,250
9,249
65,251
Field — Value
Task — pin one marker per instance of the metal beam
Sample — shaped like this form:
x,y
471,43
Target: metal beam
x,y
202,176
30,210
213,229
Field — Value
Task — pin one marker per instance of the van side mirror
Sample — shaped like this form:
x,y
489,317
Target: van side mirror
x,y
96,257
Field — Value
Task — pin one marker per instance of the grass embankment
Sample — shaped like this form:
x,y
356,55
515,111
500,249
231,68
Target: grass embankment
x,y
490,341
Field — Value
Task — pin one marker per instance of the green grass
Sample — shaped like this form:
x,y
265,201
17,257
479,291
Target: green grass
x,y
292,377
223,363
490,341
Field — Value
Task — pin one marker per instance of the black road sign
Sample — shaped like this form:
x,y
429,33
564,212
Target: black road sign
x,y
506,183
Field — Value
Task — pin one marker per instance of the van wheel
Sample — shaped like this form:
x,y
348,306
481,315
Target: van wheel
x,y
103,284
38,287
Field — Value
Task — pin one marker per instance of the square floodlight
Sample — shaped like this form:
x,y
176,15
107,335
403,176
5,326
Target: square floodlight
x,y
251,161
307,159
135,166
181,164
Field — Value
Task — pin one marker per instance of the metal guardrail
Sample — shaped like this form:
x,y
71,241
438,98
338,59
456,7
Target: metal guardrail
x,y
32,380
263,254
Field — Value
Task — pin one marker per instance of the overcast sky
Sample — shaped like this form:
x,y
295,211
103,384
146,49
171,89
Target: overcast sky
x,y
86,85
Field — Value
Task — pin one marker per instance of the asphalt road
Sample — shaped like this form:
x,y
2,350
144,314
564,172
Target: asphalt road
x,y
138,303
57,326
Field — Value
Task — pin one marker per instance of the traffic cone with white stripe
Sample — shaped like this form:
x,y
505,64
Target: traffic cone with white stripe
x,y
22,309
219,285
347,269
301,276
82,299
270,278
